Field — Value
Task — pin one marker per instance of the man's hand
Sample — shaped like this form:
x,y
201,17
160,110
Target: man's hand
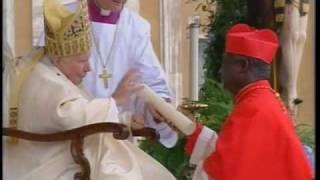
x,y
137,122
128,85
158,118
155,113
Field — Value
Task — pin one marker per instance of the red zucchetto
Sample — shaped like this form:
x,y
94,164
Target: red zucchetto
x,y
244,40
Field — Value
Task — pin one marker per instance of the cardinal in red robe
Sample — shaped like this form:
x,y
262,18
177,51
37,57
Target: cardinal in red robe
x,y
258,140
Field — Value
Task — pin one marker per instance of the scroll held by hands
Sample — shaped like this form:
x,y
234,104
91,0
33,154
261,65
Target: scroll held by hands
x,y
184,124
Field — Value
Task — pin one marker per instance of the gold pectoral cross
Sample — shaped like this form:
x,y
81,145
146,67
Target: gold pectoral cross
x,y
105,76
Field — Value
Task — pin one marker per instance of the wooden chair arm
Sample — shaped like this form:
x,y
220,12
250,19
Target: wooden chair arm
x,y
76,136
147,132
119,131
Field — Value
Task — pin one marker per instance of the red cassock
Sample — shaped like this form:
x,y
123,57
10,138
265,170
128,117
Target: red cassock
x,y
257,141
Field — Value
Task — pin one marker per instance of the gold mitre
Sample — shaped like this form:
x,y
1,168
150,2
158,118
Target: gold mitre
x,y
66,33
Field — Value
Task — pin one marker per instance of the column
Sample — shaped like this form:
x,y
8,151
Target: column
x,y
194,55
171,44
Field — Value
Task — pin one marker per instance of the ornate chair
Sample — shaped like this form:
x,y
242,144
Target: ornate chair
x,y
77,135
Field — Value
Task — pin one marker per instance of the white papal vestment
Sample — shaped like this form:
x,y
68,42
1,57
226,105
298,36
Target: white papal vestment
x,y
122,46
50,103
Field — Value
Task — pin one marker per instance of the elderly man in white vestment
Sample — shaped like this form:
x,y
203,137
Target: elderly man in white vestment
x,y
122,42
52,101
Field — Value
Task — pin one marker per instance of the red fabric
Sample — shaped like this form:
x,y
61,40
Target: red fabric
x,y
244,40
258,141
192,139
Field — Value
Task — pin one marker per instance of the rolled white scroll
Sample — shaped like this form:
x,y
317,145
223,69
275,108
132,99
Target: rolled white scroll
x,y
184,124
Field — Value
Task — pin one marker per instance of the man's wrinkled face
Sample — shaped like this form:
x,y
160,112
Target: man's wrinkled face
x,y
73,67
114,5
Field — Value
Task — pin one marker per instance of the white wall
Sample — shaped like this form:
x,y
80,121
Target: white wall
x,y
134,5
8,26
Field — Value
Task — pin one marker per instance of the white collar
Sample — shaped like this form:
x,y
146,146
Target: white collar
x,y
104,12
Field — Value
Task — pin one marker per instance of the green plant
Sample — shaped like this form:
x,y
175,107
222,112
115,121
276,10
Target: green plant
x,y
222,17
219,104
174,159
306,134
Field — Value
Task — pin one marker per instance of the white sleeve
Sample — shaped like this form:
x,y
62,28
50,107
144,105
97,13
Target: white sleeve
x,y
153,75
204,146
147,62
168,137
76,112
